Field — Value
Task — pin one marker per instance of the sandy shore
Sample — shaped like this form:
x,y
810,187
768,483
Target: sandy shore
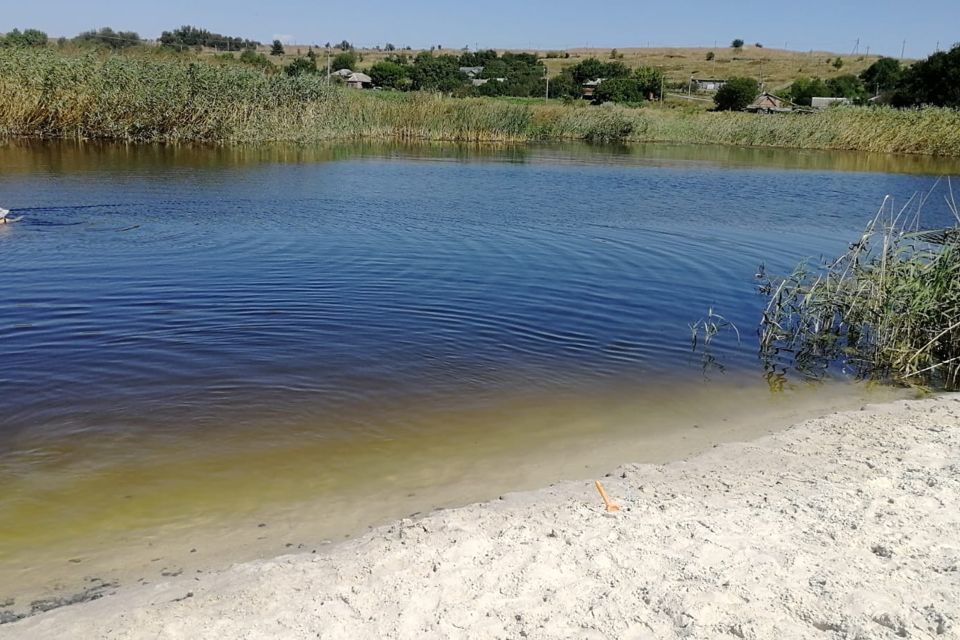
x,y
846,526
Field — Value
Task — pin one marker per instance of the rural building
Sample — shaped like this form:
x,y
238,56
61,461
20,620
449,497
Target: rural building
x,y
471,72
343,73
769,103
706,84
590,87
359,80
479,82
823,103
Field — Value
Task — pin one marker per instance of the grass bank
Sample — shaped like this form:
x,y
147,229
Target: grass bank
x,y
44,93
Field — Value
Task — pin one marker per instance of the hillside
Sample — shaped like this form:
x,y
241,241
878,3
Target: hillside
x,y
778,67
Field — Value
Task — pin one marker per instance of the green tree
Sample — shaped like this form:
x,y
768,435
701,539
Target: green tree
x,y
188,36
345,46
649,81
276,49
882,75
593,69
107,37
736,94
477,58
621,90
803,90
564,86
390,75
254,59
737,44
711,55
436,73
838,63
934,81
846,86
345,60
390,47
300,66
25,38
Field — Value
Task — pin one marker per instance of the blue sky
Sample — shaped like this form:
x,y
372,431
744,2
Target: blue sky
x,y
832,25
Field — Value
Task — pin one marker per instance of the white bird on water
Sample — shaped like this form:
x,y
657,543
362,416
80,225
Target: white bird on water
x,y
3,216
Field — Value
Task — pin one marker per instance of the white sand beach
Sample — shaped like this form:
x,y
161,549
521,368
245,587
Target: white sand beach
x,y
845,526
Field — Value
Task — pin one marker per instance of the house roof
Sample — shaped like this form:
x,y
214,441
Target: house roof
x,y
343,73
471,71
359,77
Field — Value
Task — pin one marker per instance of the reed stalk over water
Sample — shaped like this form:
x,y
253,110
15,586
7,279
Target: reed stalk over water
x,y
46,93
889,308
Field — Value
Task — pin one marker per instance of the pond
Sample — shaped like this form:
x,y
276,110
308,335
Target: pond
x,y
196,342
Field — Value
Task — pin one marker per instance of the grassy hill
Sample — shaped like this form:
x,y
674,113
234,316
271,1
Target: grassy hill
x,y
778,67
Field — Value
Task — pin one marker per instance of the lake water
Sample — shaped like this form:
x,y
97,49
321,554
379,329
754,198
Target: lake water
x,y
196,342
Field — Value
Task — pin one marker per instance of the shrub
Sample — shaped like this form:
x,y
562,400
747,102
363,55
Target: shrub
x,y
25,38
736,94
300,66
346,60
276,49
107,37
620,90
737,44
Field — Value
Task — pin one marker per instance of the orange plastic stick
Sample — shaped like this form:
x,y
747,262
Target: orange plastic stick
x,y
611,506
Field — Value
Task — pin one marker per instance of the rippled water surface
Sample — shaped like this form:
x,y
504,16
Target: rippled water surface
x,y
188,333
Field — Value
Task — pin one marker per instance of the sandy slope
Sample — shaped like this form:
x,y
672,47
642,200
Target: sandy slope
x,y
846,526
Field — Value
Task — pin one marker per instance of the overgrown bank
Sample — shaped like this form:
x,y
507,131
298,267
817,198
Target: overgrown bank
x,y
47,94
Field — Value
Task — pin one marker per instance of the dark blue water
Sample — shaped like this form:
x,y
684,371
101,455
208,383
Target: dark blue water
x,y
181,291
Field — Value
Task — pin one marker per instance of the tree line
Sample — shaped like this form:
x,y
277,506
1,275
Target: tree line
x,y
934,81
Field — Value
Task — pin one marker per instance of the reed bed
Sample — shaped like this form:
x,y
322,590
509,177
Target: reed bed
x,y
46,93
888,309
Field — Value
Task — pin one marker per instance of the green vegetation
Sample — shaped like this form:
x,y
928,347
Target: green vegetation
x,y
736,94
889,308
934,81
301,66
345,60
25,38
174,98
108,38
883,75
276,48
737,44
189,36
643,84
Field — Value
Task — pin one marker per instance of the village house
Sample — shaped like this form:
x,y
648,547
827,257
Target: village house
x,y
823,103
359,80
353,79
471,72
769,103
588,88
706,84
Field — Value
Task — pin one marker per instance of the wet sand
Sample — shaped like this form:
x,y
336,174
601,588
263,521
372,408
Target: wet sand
x,y
841,526
140,512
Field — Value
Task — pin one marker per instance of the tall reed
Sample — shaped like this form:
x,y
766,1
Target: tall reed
x,y
888,309
46,93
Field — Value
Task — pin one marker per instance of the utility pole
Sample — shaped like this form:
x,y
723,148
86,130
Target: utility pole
x,y
856,47
662,79
328,66
903,48
546,75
